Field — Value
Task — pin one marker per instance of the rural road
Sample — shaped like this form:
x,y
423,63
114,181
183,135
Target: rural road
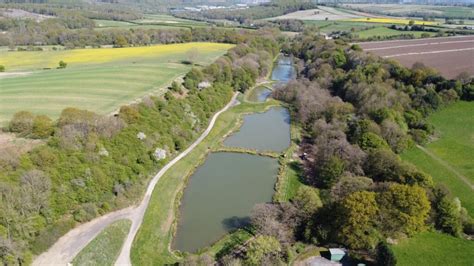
x,y
69,245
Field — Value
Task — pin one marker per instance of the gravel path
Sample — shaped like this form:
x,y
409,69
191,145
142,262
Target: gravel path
x,y
69,245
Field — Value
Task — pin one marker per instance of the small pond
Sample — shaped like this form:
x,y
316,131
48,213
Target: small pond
x,y
220,196
269,131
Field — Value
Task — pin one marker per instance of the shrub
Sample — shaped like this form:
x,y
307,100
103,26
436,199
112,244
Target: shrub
x,y
62,64
2,68
42,127
22,122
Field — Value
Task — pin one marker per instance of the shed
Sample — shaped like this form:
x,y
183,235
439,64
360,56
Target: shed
x,y
336,254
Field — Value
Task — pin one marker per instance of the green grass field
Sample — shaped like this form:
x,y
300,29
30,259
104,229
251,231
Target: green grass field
x,y
156,233
433,249
455,128
99,80
105,248
387,32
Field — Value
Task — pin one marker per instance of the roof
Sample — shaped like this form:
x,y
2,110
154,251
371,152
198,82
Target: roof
x,y
336,251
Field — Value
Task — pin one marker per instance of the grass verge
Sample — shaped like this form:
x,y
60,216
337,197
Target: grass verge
x,y
105,248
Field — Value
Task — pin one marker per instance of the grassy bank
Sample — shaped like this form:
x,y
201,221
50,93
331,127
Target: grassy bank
x,y
105,248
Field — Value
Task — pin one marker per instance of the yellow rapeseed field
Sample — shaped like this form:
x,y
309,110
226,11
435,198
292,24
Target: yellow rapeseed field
x,y
50,59
394,21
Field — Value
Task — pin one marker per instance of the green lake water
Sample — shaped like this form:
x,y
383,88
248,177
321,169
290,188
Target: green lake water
x,y
269,131
220,196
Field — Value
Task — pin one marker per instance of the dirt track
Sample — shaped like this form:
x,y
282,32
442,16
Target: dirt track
x,y
69,245
449,55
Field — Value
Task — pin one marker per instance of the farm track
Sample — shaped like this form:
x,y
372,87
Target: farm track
x,y
447,166
450,56
69,245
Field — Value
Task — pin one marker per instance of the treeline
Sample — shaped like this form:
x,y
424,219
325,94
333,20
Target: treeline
x,y
357,111
91,164
82,9
248,15
49,32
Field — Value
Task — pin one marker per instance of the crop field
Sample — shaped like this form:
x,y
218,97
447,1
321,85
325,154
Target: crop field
x,y
387,32
431,248
450,56
99,80
167,19
395,21
406,10
321,13
449,159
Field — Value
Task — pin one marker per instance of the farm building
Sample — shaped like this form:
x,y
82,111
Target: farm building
x,y
336,254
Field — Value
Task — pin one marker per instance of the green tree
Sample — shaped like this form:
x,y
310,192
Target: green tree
x,y
403,209
339,58
358,215
62,64
448,216
129,114
260,248
411,22
307,199
42,126
385,255
120,41
2,68
370,140
330,171
22,122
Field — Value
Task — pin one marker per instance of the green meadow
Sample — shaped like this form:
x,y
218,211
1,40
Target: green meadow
x,y
451,159
432,248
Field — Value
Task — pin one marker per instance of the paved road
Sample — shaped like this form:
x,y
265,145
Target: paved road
x,y
69,245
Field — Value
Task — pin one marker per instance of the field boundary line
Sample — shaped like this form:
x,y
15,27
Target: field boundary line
x,y
430,52
414,40
415,45
446,165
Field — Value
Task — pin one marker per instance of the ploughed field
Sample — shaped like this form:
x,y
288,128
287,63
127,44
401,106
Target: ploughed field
x,y
99,80
450,55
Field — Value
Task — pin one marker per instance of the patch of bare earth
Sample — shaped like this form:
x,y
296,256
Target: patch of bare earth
x,y
449,55
12,147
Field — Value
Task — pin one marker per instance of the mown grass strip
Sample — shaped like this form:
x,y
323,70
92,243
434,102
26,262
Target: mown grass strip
x,y
105,248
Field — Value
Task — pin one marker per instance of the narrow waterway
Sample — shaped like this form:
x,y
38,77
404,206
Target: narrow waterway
x,y
222,192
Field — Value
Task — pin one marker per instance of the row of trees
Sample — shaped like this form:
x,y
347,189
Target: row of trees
x,y
91,164
53,32
357,111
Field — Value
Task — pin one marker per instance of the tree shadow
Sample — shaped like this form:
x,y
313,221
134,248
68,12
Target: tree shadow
x,y
235,222
298,168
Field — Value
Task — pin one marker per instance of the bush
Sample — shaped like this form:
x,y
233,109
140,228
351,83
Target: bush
x,y
62,64
22,122
42,127
2,68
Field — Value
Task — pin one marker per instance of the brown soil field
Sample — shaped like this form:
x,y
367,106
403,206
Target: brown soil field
x,y
449,55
